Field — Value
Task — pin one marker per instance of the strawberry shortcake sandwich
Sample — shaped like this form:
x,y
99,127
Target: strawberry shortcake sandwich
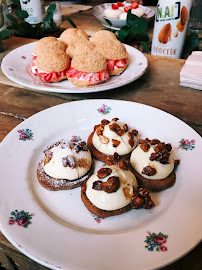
x,y
153,164
66,165
87,68
111,137
113,51
51,66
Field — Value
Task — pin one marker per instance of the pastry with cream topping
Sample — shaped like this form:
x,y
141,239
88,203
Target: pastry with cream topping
x,y
112,136
153,164
113,190
109,192
113,51
66,165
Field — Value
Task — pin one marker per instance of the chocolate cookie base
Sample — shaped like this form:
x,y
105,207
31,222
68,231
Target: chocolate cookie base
x,y
155,185
54,184
102,213
97,154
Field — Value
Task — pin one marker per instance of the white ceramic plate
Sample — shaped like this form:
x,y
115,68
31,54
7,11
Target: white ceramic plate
x,y
98,12
16,66
63,234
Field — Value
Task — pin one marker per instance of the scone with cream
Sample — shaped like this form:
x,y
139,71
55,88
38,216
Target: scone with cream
x,y
66,165
87,68
153,164
113,51
51,67
112,136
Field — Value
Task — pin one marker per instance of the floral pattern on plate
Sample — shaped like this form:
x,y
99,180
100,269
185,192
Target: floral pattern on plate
x,y
96,218
185,144
104,109
22,218
25,134
156,242
75,139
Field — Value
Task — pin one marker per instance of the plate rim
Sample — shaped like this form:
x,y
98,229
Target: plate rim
x,y
84,101
80,90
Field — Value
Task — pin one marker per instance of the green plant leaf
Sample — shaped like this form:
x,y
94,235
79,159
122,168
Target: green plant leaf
x,y
12,18
108,22
145,46
5,34
22,14
123,33
140,25
130,18
191,41
71,22
51,9
142,36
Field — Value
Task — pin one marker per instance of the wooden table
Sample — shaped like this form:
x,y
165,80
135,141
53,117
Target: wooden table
x,y
158,87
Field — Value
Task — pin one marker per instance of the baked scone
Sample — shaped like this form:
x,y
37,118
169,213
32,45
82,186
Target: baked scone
x,y
88,68
113,51
51,66
47,44
72,35
66,165
153,164
112,136
109,192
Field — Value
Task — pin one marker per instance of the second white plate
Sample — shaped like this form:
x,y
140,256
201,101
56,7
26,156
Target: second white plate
x,y
16,66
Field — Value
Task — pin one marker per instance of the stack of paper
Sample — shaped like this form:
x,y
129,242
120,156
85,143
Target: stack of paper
x,y
191,73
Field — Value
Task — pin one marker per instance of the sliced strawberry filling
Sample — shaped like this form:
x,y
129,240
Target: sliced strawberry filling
x,y
87,76
34,56
113,64
49,77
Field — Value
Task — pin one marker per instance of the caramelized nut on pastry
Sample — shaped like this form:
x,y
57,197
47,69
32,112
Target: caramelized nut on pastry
x,y
131,142
115,143
149,171
69,161
105,122
103,172
142,199
145,147
125,127
103,139
112,184
97,185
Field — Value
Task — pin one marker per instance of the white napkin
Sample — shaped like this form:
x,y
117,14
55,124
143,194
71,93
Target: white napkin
x,y
191,73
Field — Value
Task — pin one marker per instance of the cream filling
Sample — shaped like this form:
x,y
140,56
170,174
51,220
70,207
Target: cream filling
x,y
115,200
140,159
55,168
36,70
123,148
